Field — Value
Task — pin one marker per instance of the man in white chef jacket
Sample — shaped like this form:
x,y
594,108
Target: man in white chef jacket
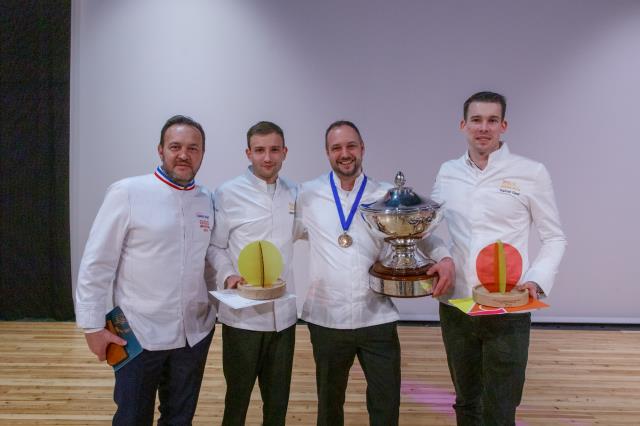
x,y
257,341
150,239
491,194
346,319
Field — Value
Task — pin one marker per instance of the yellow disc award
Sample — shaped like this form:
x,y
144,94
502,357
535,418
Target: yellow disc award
x,y
260,264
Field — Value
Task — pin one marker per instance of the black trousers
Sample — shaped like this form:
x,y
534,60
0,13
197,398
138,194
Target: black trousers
x,y
176,375
487,357
378,351
265,355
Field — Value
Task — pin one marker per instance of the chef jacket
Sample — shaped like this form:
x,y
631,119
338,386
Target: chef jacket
x,y
499,203
246,212
150,239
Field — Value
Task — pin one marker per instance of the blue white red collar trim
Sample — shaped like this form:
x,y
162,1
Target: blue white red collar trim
x,y
160,174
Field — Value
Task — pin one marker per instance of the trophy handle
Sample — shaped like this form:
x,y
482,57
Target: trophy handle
x,y
433,220
429,222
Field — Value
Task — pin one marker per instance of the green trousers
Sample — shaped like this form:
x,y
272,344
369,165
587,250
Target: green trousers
x,y
378,351
487,357
265,355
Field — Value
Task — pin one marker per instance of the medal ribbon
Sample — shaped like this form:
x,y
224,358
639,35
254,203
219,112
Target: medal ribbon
x,y
347,223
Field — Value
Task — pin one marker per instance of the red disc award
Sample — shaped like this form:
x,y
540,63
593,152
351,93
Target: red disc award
x,y
499,267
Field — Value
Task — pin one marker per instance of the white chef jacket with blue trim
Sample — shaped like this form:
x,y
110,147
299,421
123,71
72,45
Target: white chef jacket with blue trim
x,y
499,203
246,212
150,239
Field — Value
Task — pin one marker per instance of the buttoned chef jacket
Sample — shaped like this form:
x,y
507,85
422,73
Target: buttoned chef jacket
x,y
339,294
246,212
150,239
499,203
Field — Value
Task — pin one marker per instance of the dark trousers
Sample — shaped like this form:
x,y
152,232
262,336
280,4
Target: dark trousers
x,y
265,355
176,375
487,357
378,351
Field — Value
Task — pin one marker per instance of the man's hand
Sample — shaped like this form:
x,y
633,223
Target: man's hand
x,y
446,271
99,341
232,281
533,288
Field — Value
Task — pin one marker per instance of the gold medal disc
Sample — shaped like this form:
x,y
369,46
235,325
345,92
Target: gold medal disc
x,y
345,240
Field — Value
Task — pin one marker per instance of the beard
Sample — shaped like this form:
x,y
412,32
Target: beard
x,y
353,170
183,178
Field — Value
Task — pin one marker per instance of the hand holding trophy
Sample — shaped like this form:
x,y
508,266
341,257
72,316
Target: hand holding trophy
x,y
260,265
402,218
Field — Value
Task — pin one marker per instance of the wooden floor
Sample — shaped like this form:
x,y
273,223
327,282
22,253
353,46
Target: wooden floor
x,y
584,377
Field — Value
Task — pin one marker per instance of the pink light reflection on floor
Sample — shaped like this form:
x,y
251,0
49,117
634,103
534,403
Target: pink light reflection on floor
x,y
437,400
441,401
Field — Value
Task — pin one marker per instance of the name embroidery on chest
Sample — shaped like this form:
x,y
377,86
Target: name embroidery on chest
x,y
203,220
509,187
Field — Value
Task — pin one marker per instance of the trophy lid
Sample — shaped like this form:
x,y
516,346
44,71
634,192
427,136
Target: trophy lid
x,y
401,199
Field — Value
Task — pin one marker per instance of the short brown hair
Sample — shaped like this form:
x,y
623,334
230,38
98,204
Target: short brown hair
x,y
486,97
337,124
181,119
264,128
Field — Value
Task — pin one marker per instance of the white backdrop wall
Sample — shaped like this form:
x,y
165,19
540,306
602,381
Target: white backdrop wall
x,y
400,70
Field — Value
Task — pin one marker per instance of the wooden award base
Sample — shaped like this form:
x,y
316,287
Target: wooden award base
x,y
262,293
510,299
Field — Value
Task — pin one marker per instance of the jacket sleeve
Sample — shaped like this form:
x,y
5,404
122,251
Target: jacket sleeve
x,y
209,268
544,215
218,252
433,246
299,229
101,257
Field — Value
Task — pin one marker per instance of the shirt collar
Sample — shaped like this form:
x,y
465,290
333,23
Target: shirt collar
x,y
356,184
261,183
164,177
496,155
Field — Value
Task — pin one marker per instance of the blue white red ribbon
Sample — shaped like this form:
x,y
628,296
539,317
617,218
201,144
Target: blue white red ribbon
x,y
164,177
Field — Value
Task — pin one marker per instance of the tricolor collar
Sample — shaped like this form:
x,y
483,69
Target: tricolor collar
x,y
164,177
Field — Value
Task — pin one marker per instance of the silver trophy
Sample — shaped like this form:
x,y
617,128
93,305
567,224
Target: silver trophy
x,y
402,218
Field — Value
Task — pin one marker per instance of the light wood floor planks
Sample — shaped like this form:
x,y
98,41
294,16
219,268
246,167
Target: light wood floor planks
x,y
575,377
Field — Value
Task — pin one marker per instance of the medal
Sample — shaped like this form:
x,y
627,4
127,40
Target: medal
x,y
345,240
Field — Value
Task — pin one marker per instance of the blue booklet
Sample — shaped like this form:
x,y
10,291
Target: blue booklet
x,y
119,356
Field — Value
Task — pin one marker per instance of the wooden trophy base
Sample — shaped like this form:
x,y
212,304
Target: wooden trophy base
x,y
510,299
262,293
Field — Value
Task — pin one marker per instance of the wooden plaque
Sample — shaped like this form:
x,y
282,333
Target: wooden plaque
x,y
262,293
500,300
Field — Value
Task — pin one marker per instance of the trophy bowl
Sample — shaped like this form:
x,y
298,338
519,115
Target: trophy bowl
x,y
402,218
